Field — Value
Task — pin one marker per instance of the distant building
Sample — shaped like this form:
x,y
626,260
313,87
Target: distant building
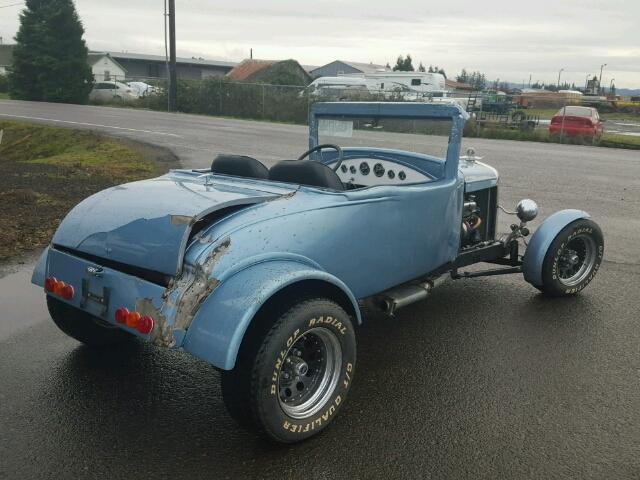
x,y
119,66
6,54
140,66
342,67
458,87
105,68
277,72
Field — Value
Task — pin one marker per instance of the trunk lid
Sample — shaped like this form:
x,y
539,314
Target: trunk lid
x,y
146,224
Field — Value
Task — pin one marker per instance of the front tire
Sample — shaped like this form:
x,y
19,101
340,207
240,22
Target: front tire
x,y
83,326
573,259
289,384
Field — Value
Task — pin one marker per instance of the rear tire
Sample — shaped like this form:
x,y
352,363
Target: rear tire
x,y
290,383
83,326
573,259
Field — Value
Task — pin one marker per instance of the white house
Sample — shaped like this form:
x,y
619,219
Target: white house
x,y
105,68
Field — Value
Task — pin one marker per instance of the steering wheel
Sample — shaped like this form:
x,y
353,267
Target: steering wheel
x,y
317,148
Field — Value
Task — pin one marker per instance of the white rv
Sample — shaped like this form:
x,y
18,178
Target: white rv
x,y
338,87
420,82
407,85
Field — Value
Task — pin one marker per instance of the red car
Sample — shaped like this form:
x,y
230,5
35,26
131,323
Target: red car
x,y
577,122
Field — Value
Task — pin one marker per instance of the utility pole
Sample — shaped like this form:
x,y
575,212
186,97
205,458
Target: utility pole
x,y
600,79
173,85
560,73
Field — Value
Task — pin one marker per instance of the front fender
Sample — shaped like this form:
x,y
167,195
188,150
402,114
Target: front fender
x,y
541,241
217,329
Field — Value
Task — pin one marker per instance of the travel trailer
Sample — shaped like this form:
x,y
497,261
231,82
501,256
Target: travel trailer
x,y
408,85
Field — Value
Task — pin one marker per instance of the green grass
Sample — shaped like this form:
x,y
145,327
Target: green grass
x,y
620,141
45,171
542,135
4,96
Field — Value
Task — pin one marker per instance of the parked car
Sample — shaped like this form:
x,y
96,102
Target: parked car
x,y
107,91
576,121
143,89
262,272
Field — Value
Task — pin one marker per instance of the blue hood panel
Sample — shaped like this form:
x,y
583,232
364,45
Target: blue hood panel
x,y
146,224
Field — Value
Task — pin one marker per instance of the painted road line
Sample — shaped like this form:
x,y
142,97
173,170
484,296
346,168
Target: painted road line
x,y
90,125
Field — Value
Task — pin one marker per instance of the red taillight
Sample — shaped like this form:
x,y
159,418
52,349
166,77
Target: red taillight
x,y
50,284
67,292
121,315
58,287
132,319
142,323
145,325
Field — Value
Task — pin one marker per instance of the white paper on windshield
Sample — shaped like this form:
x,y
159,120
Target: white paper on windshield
x,y
335,128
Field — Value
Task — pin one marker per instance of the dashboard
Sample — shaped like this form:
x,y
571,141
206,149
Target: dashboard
x,y
372,171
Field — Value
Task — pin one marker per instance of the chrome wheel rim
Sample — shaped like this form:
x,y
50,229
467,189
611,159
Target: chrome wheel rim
x,y
310,372
576,260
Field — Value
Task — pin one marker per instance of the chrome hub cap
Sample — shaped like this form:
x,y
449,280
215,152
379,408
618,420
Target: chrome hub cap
x,y
576,260
309,373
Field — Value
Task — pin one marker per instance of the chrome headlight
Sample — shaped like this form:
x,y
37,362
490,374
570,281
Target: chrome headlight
x,y
527,210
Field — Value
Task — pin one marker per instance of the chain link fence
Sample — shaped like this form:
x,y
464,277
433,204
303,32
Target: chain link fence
x,y
492,115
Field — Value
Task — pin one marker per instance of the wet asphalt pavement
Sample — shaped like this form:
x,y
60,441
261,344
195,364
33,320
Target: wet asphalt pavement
x,y
486,379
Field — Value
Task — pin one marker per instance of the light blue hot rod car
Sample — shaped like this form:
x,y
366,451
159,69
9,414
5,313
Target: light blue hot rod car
x,y
262,272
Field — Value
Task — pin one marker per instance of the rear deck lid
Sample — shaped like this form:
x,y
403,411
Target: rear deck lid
x,y
146,224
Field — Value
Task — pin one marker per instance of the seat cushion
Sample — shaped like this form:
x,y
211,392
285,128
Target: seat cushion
x,y
306,172
240,166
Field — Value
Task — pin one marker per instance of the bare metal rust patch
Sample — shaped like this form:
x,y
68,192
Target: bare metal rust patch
x,y
197,286
182,220
162,333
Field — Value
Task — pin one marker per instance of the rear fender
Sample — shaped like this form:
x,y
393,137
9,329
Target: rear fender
x,y
40,270
217,330
541,241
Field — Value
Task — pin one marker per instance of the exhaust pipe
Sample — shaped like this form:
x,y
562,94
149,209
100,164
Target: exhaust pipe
x,y
399,297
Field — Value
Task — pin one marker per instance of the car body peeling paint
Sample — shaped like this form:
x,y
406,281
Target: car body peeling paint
x,y
182,298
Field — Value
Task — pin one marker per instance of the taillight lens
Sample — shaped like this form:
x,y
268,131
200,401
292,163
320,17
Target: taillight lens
x,y
67,292
145,325
58,287
50,284
132,319
121,315
142,323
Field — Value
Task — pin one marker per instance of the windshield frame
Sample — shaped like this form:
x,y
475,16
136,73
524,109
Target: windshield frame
x,y
408,110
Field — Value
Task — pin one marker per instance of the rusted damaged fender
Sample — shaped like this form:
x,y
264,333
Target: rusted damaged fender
x,y
218,327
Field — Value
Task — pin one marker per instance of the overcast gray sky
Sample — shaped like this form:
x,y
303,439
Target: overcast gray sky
x,y
505,39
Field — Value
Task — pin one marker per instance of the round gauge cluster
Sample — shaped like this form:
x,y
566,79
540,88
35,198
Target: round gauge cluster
x,y
378,170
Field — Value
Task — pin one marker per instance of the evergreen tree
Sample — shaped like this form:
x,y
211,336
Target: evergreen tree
x,y
404,64
421,67
50,56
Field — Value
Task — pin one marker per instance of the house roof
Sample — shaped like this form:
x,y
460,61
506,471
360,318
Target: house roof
x,y
161,58
458,85
95,57
363,67
249,67
6,52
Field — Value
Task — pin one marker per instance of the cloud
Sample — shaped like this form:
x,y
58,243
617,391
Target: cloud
x,y
505,39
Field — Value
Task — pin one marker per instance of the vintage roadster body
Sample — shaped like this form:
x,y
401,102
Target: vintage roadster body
x,y
261,272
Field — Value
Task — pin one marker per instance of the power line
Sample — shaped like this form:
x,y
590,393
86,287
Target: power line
x,y
12,5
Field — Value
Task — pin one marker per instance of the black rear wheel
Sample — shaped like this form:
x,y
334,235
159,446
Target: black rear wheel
x,y
83,326
290,383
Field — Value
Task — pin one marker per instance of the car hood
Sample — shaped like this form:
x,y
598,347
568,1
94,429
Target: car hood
x,y
146,224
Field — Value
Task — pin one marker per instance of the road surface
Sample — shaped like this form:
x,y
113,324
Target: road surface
x,y
486,379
